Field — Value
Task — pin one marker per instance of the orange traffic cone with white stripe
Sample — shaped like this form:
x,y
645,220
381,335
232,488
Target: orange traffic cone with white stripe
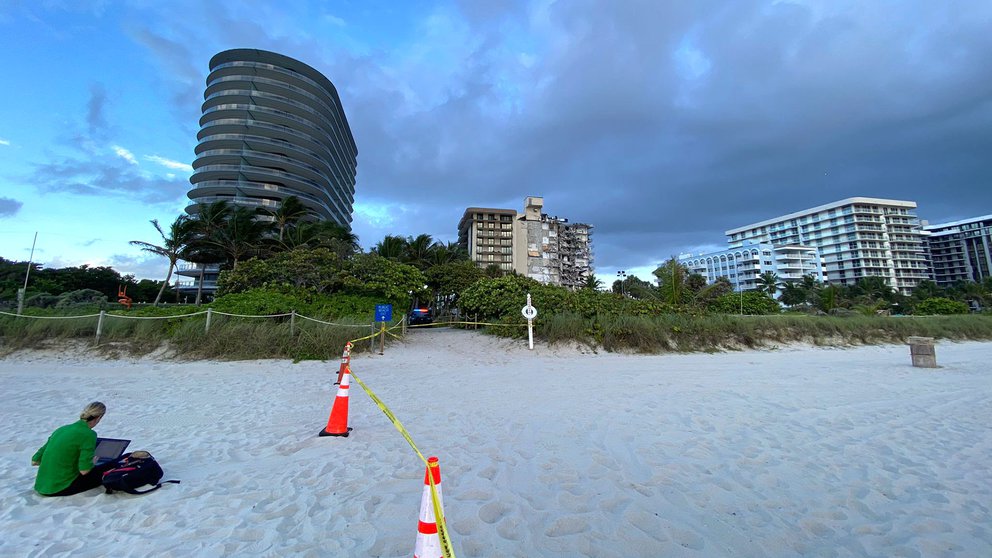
x,y
345,361
428,541
337,423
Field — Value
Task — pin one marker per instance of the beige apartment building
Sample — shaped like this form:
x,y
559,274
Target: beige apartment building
x,y
549,249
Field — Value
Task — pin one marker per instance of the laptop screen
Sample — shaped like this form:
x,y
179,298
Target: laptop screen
x,y
108,449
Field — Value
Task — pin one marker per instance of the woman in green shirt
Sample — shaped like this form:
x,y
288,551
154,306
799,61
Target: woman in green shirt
x,y
66,461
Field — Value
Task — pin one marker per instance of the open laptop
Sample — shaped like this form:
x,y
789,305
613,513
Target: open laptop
x,y
109,449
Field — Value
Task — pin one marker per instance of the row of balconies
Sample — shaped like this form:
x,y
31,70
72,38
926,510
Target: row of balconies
x,y
319,119
331,162
254,81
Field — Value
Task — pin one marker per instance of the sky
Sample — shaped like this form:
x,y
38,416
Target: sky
x,y
662,123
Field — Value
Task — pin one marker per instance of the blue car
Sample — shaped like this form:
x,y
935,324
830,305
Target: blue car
x,y
421,316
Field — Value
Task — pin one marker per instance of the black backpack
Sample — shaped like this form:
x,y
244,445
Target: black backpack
x,y
132,470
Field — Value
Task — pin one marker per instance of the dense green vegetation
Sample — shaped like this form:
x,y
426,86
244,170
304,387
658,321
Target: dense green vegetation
x,y
290,263
48,286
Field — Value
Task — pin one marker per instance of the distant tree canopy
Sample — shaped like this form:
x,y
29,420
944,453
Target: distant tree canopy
x,y
54,282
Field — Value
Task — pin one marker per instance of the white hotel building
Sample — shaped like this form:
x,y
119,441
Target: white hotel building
x,y
744,264
856,238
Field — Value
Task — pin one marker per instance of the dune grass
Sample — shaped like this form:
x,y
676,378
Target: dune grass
x,y
685,333
235,338
228,338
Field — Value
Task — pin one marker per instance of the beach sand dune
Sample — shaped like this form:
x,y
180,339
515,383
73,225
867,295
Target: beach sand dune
x,y
555,452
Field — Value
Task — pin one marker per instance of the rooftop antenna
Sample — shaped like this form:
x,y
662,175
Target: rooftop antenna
x,y
22,292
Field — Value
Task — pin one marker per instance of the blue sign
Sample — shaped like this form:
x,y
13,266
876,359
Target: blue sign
x,y
383,312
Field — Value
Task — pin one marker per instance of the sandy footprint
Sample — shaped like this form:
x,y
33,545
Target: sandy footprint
x,y
493,512
568,525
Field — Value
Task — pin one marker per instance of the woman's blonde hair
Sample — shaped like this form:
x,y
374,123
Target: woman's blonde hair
x,y
92,411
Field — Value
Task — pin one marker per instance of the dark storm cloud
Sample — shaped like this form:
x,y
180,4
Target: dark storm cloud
x,y
9,207
661,123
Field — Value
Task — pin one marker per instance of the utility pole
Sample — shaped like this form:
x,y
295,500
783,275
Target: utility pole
x,y
23,292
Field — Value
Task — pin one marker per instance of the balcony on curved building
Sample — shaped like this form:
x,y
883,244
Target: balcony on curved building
x,y
273,127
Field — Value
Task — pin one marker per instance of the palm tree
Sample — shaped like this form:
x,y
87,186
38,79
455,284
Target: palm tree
x,y
181,233
671,281
391,247
927,289
418,250
321,234
592,283
875,288
241,235
442,253
209,219
768,282
793,294
290,211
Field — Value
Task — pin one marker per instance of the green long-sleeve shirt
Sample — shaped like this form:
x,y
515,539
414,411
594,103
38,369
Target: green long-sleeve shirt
x,y
68,451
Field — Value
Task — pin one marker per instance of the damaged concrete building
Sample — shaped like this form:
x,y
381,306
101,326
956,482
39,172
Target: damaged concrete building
x,y
547,248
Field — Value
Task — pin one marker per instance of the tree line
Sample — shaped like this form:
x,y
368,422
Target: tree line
x,y
677,286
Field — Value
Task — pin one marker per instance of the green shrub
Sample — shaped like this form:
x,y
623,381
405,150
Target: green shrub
x,y
940,306
751,303
494,299
262,301
283,300
80,298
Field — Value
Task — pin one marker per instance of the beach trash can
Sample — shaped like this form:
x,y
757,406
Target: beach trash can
x,y
922,352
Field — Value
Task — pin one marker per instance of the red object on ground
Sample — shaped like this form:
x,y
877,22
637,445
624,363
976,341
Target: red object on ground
x,y
337,423
428,541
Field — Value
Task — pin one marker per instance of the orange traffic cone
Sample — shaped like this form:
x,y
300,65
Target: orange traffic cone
x,y
428,541
337,423
345,361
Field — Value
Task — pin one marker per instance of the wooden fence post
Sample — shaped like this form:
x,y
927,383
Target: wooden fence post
x,y
206,329
99,326
292,324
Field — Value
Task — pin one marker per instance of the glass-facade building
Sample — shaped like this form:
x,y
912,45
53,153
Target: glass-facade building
x,y
961,250
273,127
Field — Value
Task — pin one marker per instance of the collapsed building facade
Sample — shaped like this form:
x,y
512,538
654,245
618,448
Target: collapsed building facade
x,y
547,248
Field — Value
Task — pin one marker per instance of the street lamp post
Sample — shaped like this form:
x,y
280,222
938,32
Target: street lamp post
x,y
622,274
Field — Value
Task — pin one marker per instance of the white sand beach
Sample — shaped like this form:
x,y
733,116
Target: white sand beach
x,y
556,452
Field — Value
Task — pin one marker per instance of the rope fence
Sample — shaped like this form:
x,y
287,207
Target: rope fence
x,y
382,331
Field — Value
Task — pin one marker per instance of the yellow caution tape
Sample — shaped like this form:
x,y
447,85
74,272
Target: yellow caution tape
x,y
442,528
364,338
466,323
389,414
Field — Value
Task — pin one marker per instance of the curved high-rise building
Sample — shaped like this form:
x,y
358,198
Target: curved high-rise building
x,y
273,127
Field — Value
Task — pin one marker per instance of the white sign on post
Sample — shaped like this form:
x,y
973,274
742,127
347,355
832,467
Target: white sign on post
x,y
530,313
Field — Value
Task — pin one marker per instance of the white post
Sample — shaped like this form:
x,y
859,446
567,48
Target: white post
x,y
530,313
206,329
292,324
